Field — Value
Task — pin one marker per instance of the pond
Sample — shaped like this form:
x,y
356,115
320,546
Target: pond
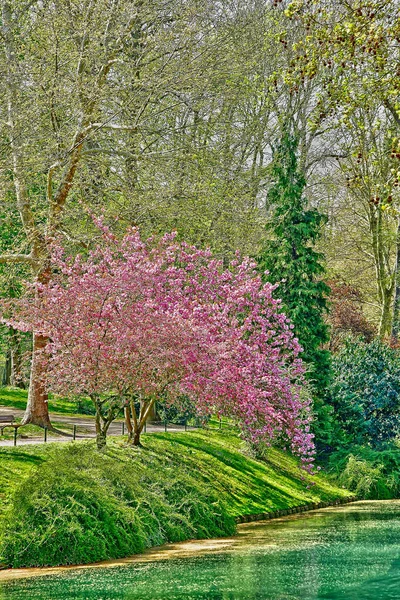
x,y
349,552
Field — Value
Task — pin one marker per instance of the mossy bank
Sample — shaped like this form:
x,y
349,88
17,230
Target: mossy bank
x,y
70,504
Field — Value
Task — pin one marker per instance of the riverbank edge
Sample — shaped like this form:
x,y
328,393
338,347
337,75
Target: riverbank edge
x,y
225,468
294,510
8,575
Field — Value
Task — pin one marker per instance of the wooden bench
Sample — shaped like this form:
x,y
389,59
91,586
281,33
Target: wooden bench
x,y
8,421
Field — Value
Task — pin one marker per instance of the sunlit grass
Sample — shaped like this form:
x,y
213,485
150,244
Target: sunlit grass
x,y
17,398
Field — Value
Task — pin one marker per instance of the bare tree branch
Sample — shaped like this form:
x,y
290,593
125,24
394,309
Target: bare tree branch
x,y
17,259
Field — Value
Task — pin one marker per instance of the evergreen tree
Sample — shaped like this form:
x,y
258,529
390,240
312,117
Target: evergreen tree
x,y
290,258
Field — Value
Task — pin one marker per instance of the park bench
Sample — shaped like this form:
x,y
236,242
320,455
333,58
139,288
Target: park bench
x,y
8,421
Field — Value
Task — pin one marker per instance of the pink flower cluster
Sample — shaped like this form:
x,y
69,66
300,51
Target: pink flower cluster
x,y
166,318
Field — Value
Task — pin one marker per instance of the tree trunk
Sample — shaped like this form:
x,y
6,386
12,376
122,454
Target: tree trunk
x,y
152,416
146,408
101,440
17,375
37,408
396,308
385,272
128,422
385,325
101,432
136,438
7,369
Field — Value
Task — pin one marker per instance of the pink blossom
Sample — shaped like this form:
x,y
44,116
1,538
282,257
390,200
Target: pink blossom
x,y
151,318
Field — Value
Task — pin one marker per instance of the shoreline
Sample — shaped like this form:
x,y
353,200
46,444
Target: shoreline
x,y
176,549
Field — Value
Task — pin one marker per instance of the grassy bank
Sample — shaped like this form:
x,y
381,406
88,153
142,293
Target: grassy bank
x,y
70,504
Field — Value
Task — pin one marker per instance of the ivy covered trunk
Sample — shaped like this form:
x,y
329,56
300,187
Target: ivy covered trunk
x,y
396,308
385,271
136,438
6,380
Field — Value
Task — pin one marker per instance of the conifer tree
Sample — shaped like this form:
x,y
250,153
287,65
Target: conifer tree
x,y
290,257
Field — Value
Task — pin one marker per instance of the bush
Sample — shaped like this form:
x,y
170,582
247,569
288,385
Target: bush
x,y
365,393
371,474
84,406
184,411
84,506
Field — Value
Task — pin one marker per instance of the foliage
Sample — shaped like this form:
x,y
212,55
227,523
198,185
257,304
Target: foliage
x,y
181,413
78,505
371,474
344,36
360,477
290,258
346,314
90,507
357,44
152,318
134,105
365,392
16,398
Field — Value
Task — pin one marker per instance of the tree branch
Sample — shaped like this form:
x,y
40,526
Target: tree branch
x,y
392,111
50,181
17,258
111,126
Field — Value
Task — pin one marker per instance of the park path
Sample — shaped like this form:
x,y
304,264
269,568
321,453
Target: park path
x,y
80,421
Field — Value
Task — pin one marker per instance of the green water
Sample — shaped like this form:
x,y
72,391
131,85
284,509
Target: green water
x,y
348,553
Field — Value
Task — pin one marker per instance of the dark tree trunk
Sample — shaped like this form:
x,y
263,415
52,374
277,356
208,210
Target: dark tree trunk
x,y
101,440
136,438
6,380
101,431
17,375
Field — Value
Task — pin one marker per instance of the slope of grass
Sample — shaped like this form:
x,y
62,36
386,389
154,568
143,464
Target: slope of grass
x,y
15,466
71,504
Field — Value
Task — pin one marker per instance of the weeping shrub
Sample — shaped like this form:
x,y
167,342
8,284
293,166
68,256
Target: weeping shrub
x,y
83,506
370,473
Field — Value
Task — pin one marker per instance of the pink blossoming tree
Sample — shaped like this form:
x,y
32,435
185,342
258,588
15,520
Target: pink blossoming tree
x,y
140,319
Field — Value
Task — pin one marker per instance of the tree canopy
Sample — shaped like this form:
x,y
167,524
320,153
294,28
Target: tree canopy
x,y
146,318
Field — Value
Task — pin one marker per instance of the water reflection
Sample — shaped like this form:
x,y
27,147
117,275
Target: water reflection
x,y
347,553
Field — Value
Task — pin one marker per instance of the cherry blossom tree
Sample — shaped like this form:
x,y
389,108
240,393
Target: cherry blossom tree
x,y
140,319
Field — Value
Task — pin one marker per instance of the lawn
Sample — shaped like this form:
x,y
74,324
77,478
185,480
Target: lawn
x,y
16,398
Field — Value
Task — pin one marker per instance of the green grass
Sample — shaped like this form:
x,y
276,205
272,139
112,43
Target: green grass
x,y
16,398
66,504
15,466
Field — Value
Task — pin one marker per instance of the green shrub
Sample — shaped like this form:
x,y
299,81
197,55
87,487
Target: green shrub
x,y
370,473
83,506
361,477
365,393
